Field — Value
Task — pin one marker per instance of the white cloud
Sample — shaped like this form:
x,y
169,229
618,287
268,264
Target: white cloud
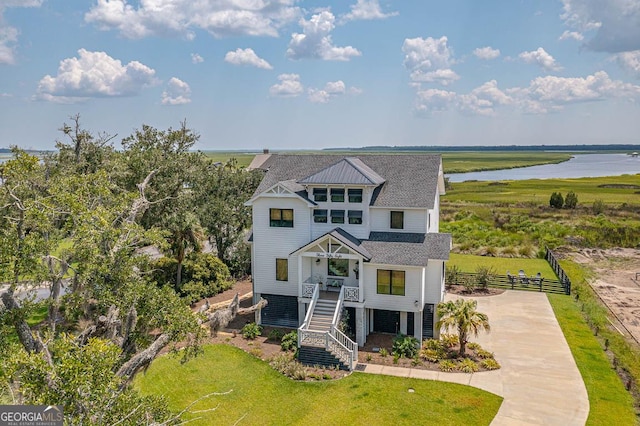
x,y
442,76
331,90
486,53
315,40
196,59
543,95
9,34
567,35
177,92
95,74
541,58
426,54
289,86
366,10
221,18
630,61
616,23
247,57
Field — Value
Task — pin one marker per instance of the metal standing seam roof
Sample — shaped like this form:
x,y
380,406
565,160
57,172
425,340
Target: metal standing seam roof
x,y
348,171
409,180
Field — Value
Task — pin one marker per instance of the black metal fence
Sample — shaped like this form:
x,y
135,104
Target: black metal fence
x,y
553,261
511,282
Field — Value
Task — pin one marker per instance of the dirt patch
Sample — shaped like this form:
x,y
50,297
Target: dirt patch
x,y
617,282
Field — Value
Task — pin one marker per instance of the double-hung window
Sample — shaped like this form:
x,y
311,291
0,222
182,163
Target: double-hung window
x,y
282,270
319,194
320,216
355,195
397,220
390,282
355,217
337,216
337,195
281,218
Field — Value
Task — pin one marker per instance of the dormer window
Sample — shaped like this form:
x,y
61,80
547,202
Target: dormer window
x,y
319,194
355,195
337,195
397,220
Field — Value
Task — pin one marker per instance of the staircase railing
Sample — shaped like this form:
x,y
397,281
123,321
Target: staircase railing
x,y
312,306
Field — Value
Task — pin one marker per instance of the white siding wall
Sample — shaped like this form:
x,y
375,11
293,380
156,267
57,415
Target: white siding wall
x,y
413,286
415,220
435,284
435,215
270,243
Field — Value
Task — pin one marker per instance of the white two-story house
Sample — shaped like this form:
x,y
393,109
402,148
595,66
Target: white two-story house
x,y
349,238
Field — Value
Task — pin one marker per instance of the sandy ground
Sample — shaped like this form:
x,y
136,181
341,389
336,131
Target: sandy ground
x,y
617,281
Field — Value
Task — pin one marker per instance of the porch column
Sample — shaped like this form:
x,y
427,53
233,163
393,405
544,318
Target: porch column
x,y
403,323
417,326
360,275
361,332
300,275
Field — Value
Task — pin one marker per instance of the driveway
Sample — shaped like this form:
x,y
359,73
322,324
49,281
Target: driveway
x,y
539,379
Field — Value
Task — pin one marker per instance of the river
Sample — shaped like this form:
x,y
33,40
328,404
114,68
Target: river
x,y
581,165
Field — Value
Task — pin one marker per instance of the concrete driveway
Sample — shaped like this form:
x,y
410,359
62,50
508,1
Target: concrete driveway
x,y
539,379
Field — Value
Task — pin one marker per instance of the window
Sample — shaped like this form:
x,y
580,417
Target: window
x,y
320,216
337,216
337,195
355,217
319,194
282,270
282,218
391,282
338,267
397,220
355,195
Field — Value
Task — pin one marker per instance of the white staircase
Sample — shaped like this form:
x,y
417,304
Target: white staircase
x,y
322,315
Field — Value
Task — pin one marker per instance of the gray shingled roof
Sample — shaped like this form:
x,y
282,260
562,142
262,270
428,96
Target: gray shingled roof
x,y
395,248
297,189
410,180
348,171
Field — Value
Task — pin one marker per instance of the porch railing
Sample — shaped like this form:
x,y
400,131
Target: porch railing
x,y
312,306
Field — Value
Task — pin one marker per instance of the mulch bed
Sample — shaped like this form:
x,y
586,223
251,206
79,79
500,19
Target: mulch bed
x,y
476,292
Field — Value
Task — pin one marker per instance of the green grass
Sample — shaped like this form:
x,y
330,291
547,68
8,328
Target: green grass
x,y
243,158
470,263
608,400
261,396
538,191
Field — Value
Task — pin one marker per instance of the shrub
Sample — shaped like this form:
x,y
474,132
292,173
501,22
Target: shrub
x,y
484,276
484,354
383,352
287,365
598,207
468,365
416,362
450,340
433,355
468,283
405,346
451,275
446,365
571,200
490,364
275,335
289,341
434,344
251,331
525,251
473,346
556,201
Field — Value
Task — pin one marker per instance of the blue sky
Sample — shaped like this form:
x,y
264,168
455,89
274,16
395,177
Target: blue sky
x,y
287,74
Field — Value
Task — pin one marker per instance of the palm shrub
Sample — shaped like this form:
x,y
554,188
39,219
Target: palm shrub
x,y
449,340
405,346
490,364
447,365
468,365
462,316
484,275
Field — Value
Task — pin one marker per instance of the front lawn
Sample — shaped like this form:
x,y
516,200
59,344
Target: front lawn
x,y
500,265
260,395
